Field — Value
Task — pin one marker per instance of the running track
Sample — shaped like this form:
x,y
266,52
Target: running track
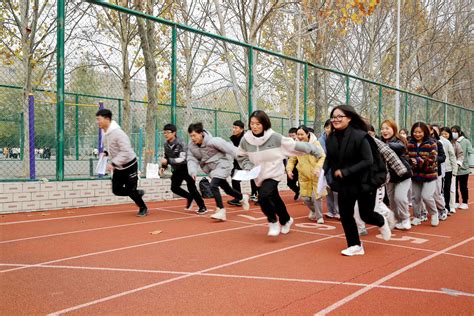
x,y
104,260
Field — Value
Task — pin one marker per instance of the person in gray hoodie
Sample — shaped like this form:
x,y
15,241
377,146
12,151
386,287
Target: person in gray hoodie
x,y
123,161
215,157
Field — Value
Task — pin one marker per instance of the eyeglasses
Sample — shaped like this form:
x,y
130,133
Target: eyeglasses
x,y
337,118
167,132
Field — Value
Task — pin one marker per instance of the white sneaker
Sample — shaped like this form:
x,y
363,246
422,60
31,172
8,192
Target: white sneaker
x,y
312,216
285,229
456,205
452,210
434,220
353,251
464,206
385,231
219,215
320,221
273,229
245,202
416,221
403,225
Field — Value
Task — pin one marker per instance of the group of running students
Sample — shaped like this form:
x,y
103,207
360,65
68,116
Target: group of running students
x,y
423,168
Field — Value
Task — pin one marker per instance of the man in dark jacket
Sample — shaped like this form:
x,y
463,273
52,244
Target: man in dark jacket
x,y
175,156
237,134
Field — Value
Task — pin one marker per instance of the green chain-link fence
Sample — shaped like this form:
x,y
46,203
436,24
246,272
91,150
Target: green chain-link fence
x,y
201,77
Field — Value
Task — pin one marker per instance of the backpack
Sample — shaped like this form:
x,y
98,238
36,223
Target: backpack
x,y
205,188
378,170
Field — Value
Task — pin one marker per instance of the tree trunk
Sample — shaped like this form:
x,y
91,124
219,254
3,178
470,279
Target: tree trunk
x,y
148,44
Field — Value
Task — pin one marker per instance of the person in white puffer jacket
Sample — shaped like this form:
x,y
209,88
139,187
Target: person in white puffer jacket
x,y
263,147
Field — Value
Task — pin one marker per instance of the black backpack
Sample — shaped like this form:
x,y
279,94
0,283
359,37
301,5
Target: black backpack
x,y
378,170
205,188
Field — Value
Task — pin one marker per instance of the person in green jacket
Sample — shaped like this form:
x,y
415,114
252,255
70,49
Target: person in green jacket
x,y
464,170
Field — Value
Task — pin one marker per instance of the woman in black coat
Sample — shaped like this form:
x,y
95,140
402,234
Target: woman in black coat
x,y
347,163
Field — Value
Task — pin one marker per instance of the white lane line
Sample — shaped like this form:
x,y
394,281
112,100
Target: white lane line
x,y
441,236
164,209
252,277
132,247
392,275
111,297
104,213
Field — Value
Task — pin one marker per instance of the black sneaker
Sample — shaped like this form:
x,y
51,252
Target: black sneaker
x,y
234,202
142,212
202,210
297,196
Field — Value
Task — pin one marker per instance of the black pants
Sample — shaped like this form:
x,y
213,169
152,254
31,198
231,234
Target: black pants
x,y
293,183
366,202
461,183
271,203
177,179
217,183
124,183
447,189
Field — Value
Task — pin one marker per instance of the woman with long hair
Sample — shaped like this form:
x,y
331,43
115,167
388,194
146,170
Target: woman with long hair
x,y
263,147
464,170
446,133
347,168
331,198
309,168
448,167
423,154
398,187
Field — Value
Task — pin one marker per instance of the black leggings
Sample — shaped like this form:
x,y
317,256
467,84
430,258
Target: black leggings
x,y
461,183
271,203
447,189
217,183
366,202
124,183
177,179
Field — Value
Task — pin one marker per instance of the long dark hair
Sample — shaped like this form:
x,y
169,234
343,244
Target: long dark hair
x,y
356,120
424,128
447,130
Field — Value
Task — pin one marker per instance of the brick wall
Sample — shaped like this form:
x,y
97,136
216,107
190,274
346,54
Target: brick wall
x,y
41,196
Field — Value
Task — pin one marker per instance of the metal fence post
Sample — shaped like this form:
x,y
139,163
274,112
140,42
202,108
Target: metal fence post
x,y
215,122
140,146
100,145
250,82
305,95
31,128
174,39
427,112
120,111
60,92
406,111
77,126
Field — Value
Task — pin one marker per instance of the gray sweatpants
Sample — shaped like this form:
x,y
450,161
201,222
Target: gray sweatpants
x,y
399,199
315,205
332,203
424,191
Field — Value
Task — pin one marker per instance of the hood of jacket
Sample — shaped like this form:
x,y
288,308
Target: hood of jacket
x,y
258,141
